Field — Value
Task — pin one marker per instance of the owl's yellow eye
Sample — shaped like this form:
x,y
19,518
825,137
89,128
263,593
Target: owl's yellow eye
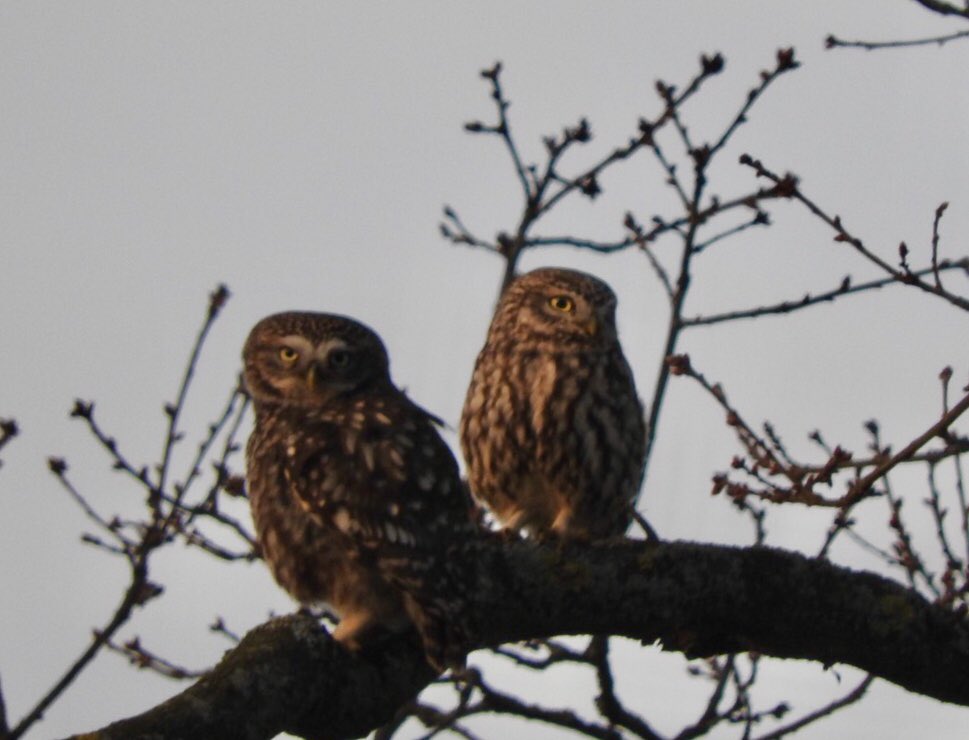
x,y
288,355
562,303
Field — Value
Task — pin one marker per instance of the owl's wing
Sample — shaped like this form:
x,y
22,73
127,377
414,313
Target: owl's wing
x,y
386,480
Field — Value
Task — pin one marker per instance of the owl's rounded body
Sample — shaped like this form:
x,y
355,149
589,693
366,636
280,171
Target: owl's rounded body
x,y
552,429
356,499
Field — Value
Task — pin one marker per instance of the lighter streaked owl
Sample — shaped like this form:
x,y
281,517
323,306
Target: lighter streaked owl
x,y
552,428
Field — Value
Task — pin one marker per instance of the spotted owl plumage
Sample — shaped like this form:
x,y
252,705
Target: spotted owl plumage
x,y
356,499
552,428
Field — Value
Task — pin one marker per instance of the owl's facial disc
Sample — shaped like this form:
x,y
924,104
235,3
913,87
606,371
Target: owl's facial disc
x,y
313,374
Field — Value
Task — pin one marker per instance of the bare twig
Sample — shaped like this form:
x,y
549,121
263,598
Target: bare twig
x,y
671,177
230,417
936,6
643,243
784,62
138,655
850,698
4,726
543,187
457,233
502,128
935,244
139,591
801,488
608,702
554,653
113,528
157,531
833,42
934,503
701,157
640,237
8,430
493,700
711,715
844,288
861,486
217,300
219,627
902,275
759,218
802,479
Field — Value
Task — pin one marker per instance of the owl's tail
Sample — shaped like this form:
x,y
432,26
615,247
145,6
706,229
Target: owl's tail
x,y
434,595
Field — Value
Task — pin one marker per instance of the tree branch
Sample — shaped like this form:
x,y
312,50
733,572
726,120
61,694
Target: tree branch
x,y
943,8
288,675
833,42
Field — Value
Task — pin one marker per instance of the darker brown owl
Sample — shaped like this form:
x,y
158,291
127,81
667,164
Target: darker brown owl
x,y
356,499
552,428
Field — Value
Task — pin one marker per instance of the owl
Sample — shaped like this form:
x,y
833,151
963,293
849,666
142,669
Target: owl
x,y
356,499
552,429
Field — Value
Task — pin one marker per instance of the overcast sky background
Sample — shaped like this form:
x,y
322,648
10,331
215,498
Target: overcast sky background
x,y
302,152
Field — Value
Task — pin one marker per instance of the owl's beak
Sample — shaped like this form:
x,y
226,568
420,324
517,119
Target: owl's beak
x,y
591,326
311,378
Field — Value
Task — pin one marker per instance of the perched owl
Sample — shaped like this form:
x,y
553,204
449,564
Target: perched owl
x,y
552,428
356,499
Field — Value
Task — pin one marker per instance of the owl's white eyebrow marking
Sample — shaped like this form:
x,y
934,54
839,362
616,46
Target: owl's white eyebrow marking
x,y
297,342
325,347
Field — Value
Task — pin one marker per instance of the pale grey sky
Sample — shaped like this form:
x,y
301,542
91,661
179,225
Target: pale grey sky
x,y
301,153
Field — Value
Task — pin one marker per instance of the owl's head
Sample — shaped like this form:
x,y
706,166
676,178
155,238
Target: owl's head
x,y
309,359
558,305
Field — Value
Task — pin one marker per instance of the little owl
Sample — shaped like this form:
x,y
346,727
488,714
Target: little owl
x,y
552,428
357,501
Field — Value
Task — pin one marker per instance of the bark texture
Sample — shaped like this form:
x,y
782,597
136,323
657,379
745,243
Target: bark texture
x,y
288,675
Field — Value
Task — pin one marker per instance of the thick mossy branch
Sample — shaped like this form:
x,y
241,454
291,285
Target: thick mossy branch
x,y
286,675
699,599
